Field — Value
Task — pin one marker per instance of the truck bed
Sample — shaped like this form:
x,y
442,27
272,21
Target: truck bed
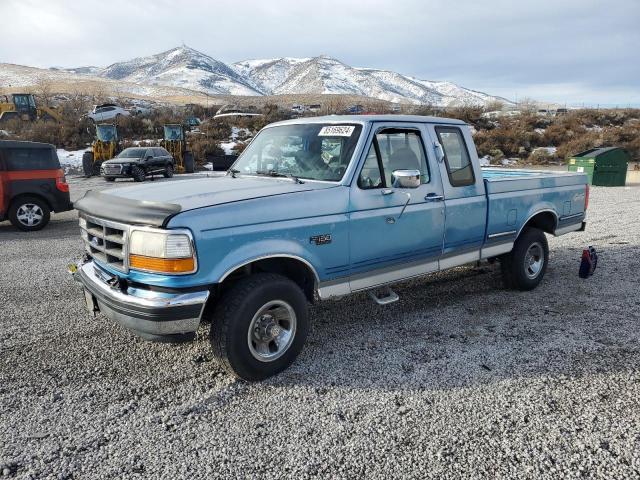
x,y
513,196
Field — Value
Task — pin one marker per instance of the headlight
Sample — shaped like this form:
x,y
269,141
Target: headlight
x,y
161,251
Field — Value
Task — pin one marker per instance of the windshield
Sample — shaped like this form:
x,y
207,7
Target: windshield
x,y
132,153
106,133
173,132
314,151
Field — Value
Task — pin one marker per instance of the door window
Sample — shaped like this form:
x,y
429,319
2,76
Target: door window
x,y
393,149
456,156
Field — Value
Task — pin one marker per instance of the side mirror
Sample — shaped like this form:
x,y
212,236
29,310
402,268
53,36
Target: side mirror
x,y
405,178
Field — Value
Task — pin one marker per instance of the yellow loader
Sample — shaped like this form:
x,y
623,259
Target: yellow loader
x,y
105,147
22,106
176,144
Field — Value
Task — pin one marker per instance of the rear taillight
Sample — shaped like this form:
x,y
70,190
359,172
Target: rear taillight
x,y
61,183
586,198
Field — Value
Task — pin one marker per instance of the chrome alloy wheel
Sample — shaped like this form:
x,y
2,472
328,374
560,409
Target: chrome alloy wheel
x,y
29,214
533,260
271,331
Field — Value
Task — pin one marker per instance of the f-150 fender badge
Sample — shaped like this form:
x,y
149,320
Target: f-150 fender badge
x,y
321,239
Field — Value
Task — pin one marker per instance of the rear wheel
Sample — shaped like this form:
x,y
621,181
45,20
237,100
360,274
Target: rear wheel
x,y
168,171
259,326
524,267
29,214
189,163
137,173
87,163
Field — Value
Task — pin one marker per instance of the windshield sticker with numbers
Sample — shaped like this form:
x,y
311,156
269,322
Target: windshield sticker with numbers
x,y
336,131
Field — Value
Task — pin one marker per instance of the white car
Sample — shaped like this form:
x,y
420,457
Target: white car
x,y
108,111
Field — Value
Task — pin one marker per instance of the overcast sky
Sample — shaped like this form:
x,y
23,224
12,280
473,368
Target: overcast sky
x,y
558,50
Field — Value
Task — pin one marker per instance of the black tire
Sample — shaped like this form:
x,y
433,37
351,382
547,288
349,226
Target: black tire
x,y
524,267
27,209
235,313
168,171
189,163
110,179
137,173
87,163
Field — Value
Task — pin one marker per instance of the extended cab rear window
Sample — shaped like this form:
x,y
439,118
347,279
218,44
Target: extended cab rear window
x,y
456,156
30,159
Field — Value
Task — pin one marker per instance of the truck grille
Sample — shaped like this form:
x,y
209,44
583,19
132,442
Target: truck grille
x,y
111,169
105,241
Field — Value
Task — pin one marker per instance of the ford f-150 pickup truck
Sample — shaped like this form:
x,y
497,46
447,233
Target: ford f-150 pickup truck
x,y
314,208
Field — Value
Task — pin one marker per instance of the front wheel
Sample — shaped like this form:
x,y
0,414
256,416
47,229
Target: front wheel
x,y
168,171
29,214
524,267
259,326
137,173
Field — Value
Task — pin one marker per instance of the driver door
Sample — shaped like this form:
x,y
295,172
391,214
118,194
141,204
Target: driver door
x,y
395,232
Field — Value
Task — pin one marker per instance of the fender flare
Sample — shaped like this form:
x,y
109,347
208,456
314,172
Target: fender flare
x,y
261,250
537,212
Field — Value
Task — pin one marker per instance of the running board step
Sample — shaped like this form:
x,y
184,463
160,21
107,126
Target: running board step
x,y
384,296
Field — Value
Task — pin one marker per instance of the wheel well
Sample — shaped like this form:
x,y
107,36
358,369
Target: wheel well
x,y
35,195
292,268
545,221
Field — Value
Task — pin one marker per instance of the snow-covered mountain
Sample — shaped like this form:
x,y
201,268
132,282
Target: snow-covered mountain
x,y
188,69
181,67
327,75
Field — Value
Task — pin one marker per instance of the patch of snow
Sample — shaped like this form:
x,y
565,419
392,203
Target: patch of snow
x,y
228,147
70,161
485,161
509,161
548,150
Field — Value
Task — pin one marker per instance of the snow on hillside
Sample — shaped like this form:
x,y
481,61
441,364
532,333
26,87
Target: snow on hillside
x,y
28,78
267,74
327,75
181,67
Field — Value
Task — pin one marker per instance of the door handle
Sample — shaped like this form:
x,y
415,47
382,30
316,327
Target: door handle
x,y
387,191
432,197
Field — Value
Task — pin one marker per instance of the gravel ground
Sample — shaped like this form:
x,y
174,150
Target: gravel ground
x,y
458,379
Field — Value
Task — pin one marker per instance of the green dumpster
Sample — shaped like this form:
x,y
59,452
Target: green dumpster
x,y
605,166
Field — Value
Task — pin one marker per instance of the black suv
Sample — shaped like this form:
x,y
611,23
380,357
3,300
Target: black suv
x,y
138,163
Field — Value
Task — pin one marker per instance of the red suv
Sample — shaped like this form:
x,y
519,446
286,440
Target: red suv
x,y
32,184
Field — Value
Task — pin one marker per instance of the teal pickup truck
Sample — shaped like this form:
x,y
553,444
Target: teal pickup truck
x,y
314,208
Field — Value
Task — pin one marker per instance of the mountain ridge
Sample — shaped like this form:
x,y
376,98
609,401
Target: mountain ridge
x,y
189,69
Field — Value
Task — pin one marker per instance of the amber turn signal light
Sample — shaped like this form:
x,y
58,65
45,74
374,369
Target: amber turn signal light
x,y
162,265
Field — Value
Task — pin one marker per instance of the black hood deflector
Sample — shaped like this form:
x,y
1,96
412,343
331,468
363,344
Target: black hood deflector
x,y
126,210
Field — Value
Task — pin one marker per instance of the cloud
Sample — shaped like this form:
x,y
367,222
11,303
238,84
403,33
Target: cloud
x,y
571,50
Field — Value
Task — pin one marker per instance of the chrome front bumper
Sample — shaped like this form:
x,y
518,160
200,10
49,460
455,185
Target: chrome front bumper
x,y
153,315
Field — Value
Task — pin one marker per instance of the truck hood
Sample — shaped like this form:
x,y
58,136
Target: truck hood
x,y
155,203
